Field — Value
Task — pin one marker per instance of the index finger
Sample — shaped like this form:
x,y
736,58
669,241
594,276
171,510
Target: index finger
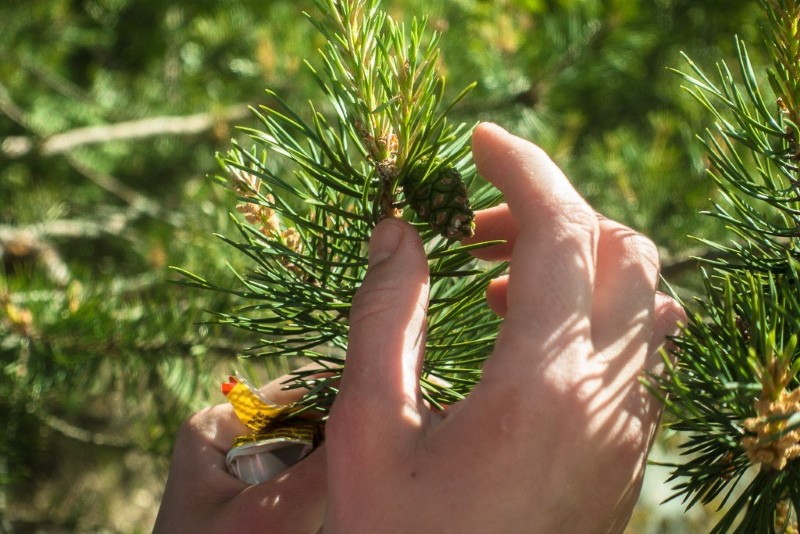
x,y
552,263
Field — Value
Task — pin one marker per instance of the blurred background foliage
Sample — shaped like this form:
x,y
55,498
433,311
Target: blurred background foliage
x,y
111,112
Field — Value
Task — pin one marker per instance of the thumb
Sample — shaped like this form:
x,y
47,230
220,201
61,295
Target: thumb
x,y
379,401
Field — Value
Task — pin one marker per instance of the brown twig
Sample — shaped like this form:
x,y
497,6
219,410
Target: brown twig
x,y
35,241
683,262
82,435
105,181
18,146
114,223
135,199
25,246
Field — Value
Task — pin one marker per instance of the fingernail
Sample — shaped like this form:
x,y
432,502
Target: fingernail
x,y
384,241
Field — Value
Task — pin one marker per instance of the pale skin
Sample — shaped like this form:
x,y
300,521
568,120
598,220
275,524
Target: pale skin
x,y
553,439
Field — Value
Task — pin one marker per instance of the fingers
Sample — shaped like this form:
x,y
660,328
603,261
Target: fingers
x,y
295,497
222,426
276,390
641,403
670,317
494,224
552,263
496,295
202,496
379,404
204,440
624,291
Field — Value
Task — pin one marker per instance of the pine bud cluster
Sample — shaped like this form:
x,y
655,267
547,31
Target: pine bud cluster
x,y
772,445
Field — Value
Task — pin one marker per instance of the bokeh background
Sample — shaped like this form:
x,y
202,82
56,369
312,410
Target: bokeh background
x,y
111,112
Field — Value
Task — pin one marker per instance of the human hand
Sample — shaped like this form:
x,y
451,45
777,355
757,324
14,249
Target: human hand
x,y
555,436
201,496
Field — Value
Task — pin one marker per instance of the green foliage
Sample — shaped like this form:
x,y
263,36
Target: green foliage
x,y
589,82
97,348
735,387
308,234
95,344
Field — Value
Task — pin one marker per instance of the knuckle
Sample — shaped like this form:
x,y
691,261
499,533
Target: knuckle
x,y
642,250
373,301
385,296
669,311
202,422
351,423
630,249
571,219
198,419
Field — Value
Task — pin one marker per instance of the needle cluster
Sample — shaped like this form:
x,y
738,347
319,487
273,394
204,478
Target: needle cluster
x,y
735,385
315,183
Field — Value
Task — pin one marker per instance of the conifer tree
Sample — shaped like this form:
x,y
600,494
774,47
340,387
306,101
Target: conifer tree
x,y
735,389
381,147
112,330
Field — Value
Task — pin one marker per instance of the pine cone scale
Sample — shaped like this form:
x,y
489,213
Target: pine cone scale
x,y
442,202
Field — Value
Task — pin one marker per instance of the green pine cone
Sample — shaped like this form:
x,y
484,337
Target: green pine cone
x,y
442,202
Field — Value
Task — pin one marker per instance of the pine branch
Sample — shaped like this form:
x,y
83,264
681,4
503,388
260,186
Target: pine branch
x,y
35,241
673,267
118,287
735,390
136,200
82,435
19,146
315,183
112,222
712,254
